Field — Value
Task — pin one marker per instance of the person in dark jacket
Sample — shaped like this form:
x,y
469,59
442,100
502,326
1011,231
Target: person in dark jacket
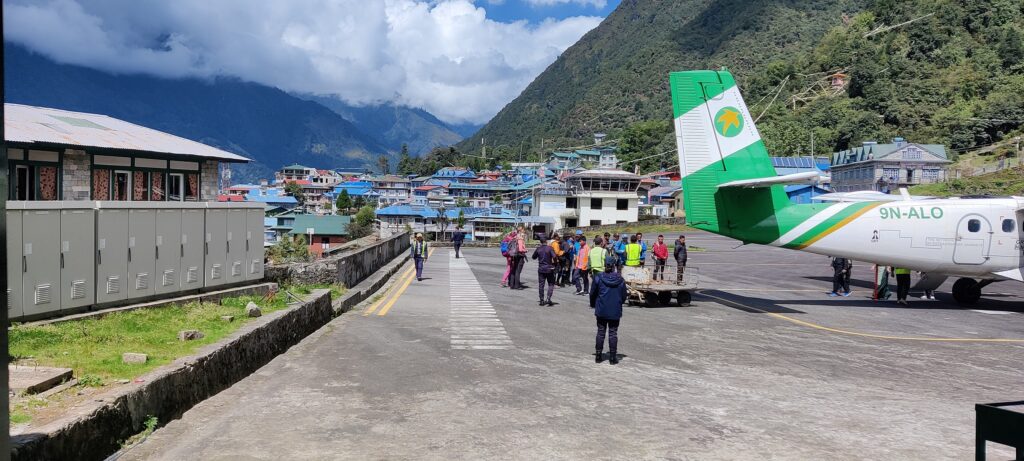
x,y
546,266
839,268
680,255
607,294
457,238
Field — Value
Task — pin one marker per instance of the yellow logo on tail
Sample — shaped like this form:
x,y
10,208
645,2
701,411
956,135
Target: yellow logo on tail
x,y
729,122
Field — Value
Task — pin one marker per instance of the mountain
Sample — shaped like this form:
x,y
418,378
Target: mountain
x,y
931,71
265,124
394,125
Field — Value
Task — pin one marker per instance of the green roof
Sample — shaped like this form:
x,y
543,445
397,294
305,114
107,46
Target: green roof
x,y
321,225
295,166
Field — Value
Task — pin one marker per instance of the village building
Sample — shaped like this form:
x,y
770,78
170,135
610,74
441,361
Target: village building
x,y
323,234
589,198
888,167
390,189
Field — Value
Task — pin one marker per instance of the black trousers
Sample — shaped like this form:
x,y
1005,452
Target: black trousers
x,y
613,335
839,281
516,277
659,269
543,277
902,286
458,246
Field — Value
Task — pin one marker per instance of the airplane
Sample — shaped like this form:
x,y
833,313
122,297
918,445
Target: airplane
x,y
730,188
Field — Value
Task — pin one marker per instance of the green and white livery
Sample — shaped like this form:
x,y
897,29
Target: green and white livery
x,y
730,188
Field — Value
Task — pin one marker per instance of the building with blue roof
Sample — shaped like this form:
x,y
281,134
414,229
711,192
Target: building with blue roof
x,y
455,174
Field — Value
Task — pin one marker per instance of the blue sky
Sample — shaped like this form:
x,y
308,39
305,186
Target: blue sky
x,y
461,60
539,10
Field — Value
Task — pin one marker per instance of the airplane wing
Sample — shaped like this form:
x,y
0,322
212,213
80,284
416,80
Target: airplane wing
x,y
867,196
808,177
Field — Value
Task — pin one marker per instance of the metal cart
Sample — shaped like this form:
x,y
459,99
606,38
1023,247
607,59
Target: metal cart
x,y
644,290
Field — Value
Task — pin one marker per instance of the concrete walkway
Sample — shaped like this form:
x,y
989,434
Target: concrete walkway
x,y
458,368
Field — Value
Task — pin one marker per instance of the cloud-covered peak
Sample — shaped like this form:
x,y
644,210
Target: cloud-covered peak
x,y
446,57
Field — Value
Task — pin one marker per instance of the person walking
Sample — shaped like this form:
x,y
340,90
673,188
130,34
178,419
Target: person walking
x,y
882,274
606,297
520,258
419,255
597,257
922,280
546,267
457,238
633,252
506,244
580,277
680,256
902,284
839,280
660,251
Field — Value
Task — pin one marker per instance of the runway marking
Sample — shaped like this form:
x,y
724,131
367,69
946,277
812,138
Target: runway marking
x,y
388,294
993,312
867,335
473,324
394,294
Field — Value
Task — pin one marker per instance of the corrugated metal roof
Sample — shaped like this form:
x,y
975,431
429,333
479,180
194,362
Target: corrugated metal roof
x,y
30,124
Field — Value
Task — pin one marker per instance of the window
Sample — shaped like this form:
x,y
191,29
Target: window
x,y
34,182
175,184
1009,225
930,175
120,185
973,225
325,242
595,204
891,174
595,222
572,202
911,153
24,183
622,204
570,222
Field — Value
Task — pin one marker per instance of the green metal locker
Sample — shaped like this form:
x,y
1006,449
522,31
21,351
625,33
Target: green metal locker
x,y
254,244
14,264
77,255
215,245
41,260
192,229
169,249
141,252
237,225
111,253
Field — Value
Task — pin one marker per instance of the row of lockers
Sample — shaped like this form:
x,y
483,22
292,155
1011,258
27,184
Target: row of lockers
x,y
67,256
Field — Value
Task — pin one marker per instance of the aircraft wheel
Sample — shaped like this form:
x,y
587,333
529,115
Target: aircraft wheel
x,y
683,297
966,291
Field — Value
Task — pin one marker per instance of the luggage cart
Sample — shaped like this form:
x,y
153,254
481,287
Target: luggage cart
x,y
643,290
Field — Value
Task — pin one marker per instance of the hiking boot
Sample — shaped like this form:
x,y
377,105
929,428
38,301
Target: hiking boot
x,y
598,357
613,358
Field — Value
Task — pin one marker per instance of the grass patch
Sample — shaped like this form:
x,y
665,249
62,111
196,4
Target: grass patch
x,y
150,424
20,418
92,347
303,290
1006,182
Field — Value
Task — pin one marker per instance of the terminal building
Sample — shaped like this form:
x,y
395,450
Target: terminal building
x,y
103,212
589,198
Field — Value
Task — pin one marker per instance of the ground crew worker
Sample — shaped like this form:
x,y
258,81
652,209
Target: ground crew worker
x,y
643,248
597,256
633,251
680,256
579,270
419,255
660,251
620,252
839,279
902,284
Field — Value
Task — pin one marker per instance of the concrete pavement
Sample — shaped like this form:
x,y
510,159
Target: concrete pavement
x,y
763,366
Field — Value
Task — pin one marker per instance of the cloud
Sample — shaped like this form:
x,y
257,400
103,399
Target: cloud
x,y
599,4
446,57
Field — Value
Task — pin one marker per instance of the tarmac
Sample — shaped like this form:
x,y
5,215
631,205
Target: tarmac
x,y
762,365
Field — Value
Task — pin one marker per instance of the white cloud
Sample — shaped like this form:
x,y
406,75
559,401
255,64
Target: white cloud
x,y
599,4
446,57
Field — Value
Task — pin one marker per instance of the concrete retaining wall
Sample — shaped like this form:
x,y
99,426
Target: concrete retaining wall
x,y
94,431
348,268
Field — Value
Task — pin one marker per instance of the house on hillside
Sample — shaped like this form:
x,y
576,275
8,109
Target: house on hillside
x,y
56,154
887,167
455,174
322,233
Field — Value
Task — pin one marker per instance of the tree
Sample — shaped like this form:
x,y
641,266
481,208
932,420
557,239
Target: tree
x,y
384,164
360,202
461,202
442,221
641,142
289,249
405,161
362,225
293,189
497,199
344,202
460,221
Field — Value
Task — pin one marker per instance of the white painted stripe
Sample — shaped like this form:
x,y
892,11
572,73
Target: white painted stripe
x,y
698,142
473,321
809,224
992,312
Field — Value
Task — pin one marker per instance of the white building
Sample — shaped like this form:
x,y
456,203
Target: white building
x,y
590,198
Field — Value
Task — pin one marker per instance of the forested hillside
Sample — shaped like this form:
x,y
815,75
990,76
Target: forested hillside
x,y
954,75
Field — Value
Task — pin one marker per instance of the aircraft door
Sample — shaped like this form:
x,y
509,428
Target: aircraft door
x,y
973,240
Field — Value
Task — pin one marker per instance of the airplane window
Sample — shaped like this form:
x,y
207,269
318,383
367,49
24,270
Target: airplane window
x,y
1008,225
973,225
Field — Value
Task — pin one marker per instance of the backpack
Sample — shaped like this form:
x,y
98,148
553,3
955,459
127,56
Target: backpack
x,y
504,248
611,259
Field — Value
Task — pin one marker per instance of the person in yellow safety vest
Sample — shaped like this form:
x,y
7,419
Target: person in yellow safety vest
x,y
633,250
598,255
579,271
902,284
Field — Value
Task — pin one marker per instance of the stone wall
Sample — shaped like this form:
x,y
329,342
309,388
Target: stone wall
x,y
93,431
348,268
210,177
77,175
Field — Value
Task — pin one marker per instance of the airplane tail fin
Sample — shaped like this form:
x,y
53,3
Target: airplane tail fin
x,y
720,147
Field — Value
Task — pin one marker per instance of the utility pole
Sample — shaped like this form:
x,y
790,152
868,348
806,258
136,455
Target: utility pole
x,y
812,143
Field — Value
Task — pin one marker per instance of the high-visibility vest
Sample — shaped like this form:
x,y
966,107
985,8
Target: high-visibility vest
x,y
583,257
419,249
633,254
901,270
597,257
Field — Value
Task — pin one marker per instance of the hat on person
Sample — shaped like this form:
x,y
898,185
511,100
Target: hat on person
x,y
579,232
419,234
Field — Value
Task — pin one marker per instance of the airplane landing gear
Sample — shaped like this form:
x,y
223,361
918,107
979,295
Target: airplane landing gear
x,y
967,291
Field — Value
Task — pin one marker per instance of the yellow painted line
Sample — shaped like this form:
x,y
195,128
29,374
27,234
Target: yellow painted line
x,y
387,294
398,294
839,225
868,335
